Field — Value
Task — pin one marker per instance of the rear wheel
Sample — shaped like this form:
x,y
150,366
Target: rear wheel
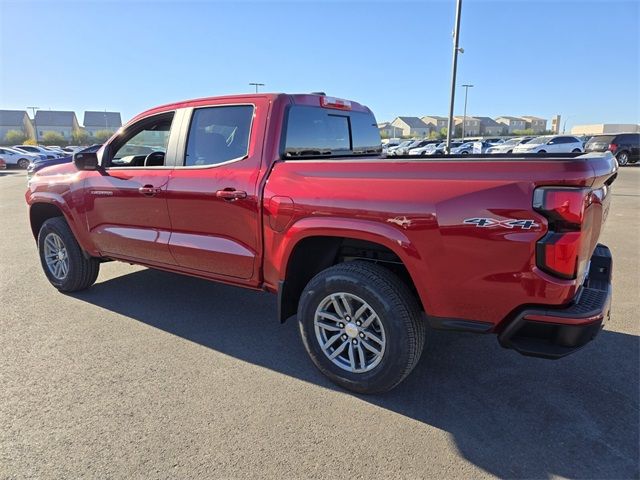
x,y
576,150
62,259
623,158
361,326
542,151
23,163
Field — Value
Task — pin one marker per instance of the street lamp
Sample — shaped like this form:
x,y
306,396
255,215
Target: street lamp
x,y
35,125
464,117
256,85
454,67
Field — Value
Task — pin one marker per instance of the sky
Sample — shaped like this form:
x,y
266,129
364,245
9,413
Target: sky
x,y
580,59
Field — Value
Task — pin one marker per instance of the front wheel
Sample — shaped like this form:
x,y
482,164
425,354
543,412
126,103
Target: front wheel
x,y
361,326
576,150
541,152
62,259
623,158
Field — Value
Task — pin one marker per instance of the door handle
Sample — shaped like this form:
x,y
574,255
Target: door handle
x,y
149,190
231,194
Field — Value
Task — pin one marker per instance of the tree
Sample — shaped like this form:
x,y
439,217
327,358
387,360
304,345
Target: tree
x,y
30,141
52,138
443,132
433,135
102,136
80,137
15,137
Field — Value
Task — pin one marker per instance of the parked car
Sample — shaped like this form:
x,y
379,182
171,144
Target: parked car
x,y
3,164
412,145
625,146
37,150
12,156
39,164
463,149
392,151
494,140
509,145
550,144
270,192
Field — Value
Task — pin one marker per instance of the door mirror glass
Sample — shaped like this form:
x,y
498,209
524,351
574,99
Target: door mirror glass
x,y
86,161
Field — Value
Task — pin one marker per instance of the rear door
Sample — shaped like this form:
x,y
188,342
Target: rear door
x,y
126,205
212,195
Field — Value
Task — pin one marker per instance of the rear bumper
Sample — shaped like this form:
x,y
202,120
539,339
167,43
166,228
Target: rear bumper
x,y
554,333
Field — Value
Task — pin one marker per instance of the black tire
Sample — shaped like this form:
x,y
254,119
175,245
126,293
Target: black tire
x,y
623,158
23,163
576,150
464,152
82,271
396,308
510,151
542,152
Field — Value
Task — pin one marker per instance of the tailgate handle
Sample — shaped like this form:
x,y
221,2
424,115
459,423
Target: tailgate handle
x,y
231,194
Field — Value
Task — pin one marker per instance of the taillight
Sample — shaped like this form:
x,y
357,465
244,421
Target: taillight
x,y
563,250
612,147
337,103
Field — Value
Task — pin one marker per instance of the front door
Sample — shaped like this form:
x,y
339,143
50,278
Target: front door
x,y
126,209
213,191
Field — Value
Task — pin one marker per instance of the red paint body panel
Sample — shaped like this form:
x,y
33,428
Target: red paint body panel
x,y
416,208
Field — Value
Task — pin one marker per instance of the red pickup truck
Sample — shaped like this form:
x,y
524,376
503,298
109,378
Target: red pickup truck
x,y
291,194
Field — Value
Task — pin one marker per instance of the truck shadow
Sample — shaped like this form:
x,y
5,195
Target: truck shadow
x,y
512,416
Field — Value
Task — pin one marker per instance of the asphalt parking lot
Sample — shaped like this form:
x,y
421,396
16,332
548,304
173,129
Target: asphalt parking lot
x,y
149,374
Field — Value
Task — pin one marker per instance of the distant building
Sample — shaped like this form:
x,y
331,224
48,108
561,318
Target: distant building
x,y
388,131
96,121
15,120
512,123
471,125
64,123
411,126
435,122
537,124
555,124
605,128
488,126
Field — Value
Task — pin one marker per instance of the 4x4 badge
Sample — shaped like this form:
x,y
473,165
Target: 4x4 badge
x,y
508,223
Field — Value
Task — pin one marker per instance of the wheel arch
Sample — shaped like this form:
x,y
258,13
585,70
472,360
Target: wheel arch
x,y
311,248
41,210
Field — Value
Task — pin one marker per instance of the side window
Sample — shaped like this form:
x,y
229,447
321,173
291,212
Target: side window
x,y
143,144
218,134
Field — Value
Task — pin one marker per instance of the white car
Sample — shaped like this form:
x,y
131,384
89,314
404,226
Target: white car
x,y
36,150
394,150
15,157
509,145
551,144
464,149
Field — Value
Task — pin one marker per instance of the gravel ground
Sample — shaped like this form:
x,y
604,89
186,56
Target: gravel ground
x,y
149,374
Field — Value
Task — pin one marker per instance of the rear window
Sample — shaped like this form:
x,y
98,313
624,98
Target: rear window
x,y
321,132
601,139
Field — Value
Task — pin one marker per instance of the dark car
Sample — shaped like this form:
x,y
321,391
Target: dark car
x,y
37,165
625,146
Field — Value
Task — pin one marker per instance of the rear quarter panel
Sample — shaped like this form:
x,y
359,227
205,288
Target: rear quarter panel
x,y
417,209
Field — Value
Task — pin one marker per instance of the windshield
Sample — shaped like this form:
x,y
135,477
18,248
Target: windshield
x,y
513,141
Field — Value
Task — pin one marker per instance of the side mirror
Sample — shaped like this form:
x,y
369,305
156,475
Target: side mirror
x,y
86,161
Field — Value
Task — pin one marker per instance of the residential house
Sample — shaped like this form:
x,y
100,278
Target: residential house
x,y
64,123
489,127
96,121
411,126
435,122
537,124
15,120
388,131
512,123
471,125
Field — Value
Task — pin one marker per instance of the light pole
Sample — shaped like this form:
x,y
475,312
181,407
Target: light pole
x,y
35,125
464,117
454,68
257,85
